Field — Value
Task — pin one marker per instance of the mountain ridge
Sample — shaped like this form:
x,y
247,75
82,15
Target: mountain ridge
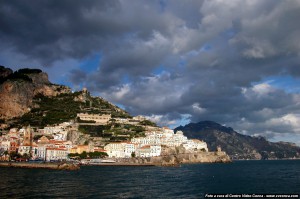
x,y
236,145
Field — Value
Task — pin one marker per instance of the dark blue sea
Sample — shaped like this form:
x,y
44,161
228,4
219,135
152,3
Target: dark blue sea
x,y
187,181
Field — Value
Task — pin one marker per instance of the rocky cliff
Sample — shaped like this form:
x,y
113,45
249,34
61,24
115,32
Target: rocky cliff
x,y
27,97
17,90
172,156
236,145
183,158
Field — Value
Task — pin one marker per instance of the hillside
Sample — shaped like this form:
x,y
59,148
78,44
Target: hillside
x,y
17,90
236,145
27,97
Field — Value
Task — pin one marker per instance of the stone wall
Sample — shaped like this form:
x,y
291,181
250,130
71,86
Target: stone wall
x,y
47,165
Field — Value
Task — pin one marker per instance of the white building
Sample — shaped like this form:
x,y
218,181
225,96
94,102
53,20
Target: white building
x,y
129,149
55,154
121,120
42,150
5,145
39,152
139,118
148,151
168,138
52,129
167,132
102,119
61,136
115,149
25,149
120,149
195,144
144,151
148,140
155,150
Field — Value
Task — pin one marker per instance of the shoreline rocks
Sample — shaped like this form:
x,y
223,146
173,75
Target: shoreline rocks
x,y
165,160
177,159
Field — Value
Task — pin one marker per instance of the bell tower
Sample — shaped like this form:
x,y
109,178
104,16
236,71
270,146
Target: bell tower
x,y
27,140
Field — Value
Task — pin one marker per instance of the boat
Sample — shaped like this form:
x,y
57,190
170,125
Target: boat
x,y
96,161
108,161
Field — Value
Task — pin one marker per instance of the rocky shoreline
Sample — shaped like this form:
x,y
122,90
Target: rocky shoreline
x,y
177,159
165,160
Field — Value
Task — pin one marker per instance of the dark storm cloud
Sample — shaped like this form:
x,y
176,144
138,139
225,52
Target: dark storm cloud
x,y
170,60
51,31
77,76
218,81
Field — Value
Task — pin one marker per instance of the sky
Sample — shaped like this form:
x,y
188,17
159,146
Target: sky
x,y
233,62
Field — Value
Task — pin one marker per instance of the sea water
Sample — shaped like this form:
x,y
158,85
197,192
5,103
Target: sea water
x,y
186,181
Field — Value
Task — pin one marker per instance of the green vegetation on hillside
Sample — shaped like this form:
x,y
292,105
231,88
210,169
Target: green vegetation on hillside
x,y
16,77
29,71
97,105
52,110
94,131
147,123
20,75
45,111
64,107
116,132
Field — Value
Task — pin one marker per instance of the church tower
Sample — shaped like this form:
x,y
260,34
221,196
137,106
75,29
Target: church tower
x,y
27,140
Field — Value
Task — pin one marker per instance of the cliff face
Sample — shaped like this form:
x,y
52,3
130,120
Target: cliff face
x,y
176,158
18,89
173,155
236,145
28,98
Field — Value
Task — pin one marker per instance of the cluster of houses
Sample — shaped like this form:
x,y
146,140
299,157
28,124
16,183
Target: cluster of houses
x,y
151,144
58,147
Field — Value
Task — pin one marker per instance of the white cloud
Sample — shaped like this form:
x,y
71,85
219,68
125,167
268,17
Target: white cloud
x,y
198,109
161,120
263,89
120,93
167,120
290,120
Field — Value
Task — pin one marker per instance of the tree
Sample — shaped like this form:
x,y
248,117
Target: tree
x,y
112,120
14,155
83,155
133,154
73,155
147,123
97,154
26,156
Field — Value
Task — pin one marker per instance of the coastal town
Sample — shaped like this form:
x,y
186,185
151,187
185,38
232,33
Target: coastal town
x,y
55,143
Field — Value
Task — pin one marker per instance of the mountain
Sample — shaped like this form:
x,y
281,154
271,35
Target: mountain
x,y
17,90
236,145
28,97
